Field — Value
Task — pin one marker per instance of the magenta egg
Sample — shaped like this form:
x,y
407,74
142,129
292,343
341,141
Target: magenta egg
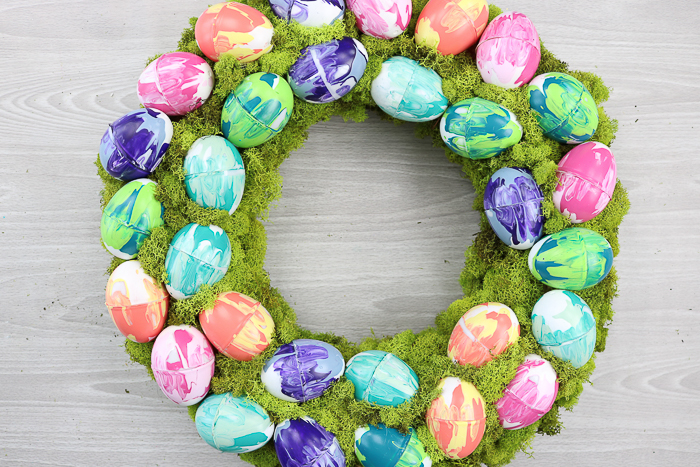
x,y
384,19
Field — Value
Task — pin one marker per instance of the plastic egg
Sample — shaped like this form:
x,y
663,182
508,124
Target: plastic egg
x,y
381,378
381,446
175,83
586,181
234,29
563,107
302,370
215,176
302,442
326,72
479,129
563,324
137,303
197,255
133,145
257,110
484,332
451,27
513,206
183,363
233,424
383,19
408,91
310,13
457,418
508,52
530,395
571,259
129,217
238,326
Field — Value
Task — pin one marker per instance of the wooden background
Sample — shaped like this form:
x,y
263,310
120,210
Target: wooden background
x,y
370,234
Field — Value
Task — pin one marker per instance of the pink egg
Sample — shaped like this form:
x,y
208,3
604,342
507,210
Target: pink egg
x,y
508,52
182,361
175,83
384,19
587,175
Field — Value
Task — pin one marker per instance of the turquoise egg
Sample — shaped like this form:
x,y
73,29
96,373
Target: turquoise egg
x,y
381,378
233,424
380,446
407,91
479,129
215,176
563,324
197,255
563,107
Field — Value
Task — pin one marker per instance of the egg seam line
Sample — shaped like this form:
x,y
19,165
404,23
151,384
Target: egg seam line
x,y
199,259
584,178
158,86
242,169
124,154
564,121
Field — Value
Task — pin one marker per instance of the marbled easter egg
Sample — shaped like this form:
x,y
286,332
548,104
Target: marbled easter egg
x,y
586,180
197,255
451,26
383,19
571,259
234,29
563,107
137,303
408,91
563,324
326,72
381,446
484,332
381,378
457,418
302,442
237,325
257,110
133,145
233,424
302,370
183,363
479,129
530,395
508,52
513,206
310,13
129,217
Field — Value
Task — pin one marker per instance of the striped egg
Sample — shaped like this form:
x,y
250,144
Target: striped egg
x,y
381,378
383,19
309,13
381,446
451,27
303,442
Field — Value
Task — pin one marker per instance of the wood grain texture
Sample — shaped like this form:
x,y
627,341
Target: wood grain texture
x,y
370,234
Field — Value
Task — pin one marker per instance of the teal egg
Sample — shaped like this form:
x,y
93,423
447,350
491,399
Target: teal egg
x,y
479,129
380,446
563,107
381,378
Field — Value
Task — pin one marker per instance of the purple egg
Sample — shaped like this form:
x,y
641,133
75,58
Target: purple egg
x,y
304,443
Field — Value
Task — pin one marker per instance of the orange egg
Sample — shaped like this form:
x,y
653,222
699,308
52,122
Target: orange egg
x,y
451,26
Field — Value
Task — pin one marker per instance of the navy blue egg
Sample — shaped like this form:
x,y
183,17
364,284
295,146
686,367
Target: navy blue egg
x,y
303,442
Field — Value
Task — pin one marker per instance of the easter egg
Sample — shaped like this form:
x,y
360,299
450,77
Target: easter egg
x,y
383,19
586,180
381,446
310,13
256,110
530,395
214,173
233,424
571,259
137,303
326,72
302,442
175,83
508,52
381,378
513,206
563,324
302,370
484,332
451,26
133,145
183,363
563,107
129,217
197,255
238,326
233,29
457,418
479,129
408,91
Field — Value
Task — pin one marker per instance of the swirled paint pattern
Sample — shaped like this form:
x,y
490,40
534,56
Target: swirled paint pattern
x,y
451,26
381,378
381,446
309,13
383,19
302,442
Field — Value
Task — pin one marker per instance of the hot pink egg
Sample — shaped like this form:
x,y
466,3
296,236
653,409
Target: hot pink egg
x,y
384,19
587,175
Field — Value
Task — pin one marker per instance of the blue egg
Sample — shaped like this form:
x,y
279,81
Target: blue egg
x,y
309,13
380,446
381,378
303,442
